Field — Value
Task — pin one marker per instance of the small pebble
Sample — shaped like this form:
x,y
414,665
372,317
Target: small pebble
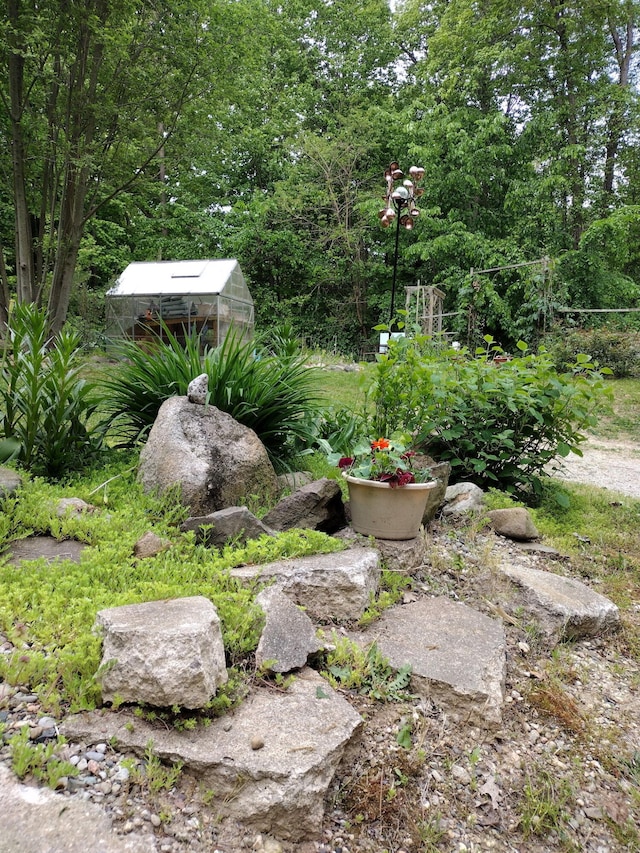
x,y
257,742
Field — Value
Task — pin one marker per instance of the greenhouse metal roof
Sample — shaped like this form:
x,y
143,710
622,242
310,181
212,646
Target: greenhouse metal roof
x,y
157,277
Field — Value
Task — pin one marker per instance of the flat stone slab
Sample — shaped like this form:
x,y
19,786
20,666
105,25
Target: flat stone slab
x,y
35,820
564,607
34,547
279,787
403,555
457,656
329,586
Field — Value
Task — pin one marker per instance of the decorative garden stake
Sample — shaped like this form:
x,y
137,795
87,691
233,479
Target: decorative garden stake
x,y
400,204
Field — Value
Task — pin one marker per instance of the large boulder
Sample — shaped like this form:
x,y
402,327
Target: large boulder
x,y
162,653
216,461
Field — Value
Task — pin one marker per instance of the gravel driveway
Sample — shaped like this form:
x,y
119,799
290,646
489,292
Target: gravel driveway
x,y
611,465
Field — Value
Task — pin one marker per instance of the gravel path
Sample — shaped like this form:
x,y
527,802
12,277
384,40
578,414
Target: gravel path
x,y
610,465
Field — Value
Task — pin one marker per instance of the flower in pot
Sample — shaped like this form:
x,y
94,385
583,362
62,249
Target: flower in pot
x,y
387,496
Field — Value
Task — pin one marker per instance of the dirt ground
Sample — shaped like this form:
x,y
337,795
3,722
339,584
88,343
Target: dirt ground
x,y
613,465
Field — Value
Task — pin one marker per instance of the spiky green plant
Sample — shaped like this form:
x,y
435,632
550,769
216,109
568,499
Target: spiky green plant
x,y
45,404
271,395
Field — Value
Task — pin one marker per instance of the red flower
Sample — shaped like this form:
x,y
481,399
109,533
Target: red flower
x,y
345,462
380,444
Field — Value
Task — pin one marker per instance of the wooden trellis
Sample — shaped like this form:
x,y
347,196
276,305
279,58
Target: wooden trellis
x,y
424,305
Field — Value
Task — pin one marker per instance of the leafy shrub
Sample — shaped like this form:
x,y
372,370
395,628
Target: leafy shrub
x,y
271,395
619,351
45,405
337,429
496,424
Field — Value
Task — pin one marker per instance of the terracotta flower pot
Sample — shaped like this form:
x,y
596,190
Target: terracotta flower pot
x,y
379,510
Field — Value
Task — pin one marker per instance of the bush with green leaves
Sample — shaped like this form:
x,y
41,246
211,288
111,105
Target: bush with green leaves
x,y
272,395
617,350
498,424
45,404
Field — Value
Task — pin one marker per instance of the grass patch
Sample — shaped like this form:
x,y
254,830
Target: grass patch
x,y
623,423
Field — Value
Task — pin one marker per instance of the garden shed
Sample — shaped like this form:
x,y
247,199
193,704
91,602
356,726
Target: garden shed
x,y
204,297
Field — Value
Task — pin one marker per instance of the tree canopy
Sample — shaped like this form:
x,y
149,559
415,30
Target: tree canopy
x,y
261,130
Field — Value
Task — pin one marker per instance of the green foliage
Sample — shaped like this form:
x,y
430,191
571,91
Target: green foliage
x,y
497,424
56,614
392,585
152,774
339,429
45,405
366,670
545,803
38,759
271,395
619,351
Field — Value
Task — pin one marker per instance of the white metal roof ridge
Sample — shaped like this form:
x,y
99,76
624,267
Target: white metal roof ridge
x,y
156,277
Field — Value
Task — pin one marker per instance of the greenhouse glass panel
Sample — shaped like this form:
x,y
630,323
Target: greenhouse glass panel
x,y
205,297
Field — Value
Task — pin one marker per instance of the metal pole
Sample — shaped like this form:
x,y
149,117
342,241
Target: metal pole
x,y
395,268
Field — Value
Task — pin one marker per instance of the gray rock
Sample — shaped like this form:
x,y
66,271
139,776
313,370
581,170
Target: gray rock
x,y
162,652
329,586
10,482
317,506
234,522
288,637
73,507
564,607
402,555
281,787
35,820
150,545
463,498
294,480
539,549
457,656
441,472
198,389
215,460
514,523
36,547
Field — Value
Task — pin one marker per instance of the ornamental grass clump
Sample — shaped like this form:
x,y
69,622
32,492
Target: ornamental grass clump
x,y
384,461
271,394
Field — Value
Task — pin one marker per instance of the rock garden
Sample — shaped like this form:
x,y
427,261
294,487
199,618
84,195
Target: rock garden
x,y
198,654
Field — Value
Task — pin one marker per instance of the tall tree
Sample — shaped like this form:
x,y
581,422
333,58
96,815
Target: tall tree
x,y
88,86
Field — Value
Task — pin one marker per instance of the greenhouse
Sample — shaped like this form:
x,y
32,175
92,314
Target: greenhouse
x,y
204,297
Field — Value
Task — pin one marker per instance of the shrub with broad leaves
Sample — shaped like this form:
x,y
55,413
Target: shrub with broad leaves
x,y
498,422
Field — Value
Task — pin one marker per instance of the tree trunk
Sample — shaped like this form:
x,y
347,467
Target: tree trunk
x,y
25,279
616,121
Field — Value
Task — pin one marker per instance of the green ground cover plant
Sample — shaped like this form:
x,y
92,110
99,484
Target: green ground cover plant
x,y
52,607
